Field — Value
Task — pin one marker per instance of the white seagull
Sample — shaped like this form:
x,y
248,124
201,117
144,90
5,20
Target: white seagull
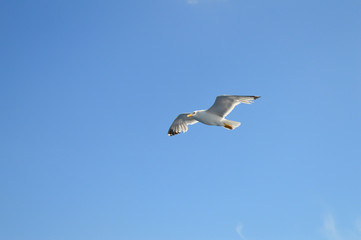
x,y
215,115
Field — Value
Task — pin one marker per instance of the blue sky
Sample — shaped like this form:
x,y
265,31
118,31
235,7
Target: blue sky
x,y
89,89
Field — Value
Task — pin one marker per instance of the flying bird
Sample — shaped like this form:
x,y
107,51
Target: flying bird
x,y
215,115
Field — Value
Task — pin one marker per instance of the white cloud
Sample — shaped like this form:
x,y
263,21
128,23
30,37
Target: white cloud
x,y
239,230
358,225
332,232
329,228
329,225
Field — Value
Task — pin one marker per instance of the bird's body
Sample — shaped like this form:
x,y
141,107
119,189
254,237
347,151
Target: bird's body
x,y
215,115
208,118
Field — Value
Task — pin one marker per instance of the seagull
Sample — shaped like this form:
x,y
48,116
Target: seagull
x,y
215,115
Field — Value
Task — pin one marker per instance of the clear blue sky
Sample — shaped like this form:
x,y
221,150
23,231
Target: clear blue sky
x,y
88,90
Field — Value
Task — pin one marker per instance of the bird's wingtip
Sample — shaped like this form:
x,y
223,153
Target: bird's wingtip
x,y
171,132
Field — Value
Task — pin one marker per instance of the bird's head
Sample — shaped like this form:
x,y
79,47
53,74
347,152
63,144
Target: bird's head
x,y
193,114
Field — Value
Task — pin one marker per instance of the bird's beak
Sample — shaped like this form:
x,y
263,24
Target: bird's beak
x,y
190,115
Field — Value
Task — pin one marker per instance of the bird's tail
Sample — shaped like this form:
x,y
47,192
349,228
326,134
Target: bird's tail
x,y
230,124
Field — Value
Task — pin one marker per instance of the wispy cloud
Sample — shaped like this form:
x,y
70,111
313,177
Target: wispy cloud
x,y
329,228
239,230
332,232
358,225
192,2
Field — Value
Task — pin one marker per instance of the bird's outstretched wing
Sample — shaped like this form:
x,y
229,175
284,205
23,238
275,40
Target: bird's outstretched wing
x,y
180,124
224,104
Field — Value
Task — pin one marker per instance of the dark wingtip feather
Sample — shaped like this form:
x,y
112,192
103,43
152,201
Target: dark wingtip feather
x,y
171,132
255,97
